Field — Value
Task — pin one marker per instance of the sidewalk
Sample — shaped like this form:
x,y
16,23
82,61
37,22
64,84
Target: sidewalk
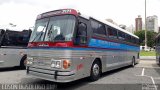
x,y
148,57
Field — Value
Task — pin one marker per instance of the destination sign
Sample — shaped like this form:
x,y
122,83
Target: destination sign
x,y
58,12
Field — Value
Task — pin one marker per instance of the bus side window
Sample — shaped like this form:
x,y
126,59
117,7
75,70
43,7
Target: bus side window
x,y
2,32
81,33
128,38
98,28
112,33
121,35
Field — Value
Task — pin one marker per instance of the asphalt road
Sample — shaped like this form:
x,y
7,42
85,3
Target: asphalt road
x,y
144,76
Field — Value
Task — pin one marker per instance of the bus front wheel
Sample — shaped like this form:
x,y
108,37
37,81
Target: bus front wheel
x,y
23,62
95,71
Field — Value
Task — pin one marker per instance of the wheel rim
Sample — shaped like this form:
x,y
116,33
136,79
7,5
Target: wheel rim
x,y
95,69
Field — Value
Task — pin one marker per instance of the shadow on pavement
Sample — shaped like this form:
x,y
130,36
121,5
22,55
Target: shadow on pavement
x,y
78,84
85,81
157,68
10,69
59,86
114,71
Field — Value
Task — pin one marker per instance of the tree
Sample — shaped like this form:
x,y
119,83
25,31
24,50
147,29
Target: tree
x,y
150,37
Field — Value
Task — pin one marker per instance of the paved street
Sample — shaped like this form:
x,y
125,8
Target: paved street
x,y
144,76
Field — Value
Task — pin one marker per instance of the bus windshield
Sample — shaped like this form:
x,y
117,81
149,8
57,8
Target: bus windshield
x,y
56,28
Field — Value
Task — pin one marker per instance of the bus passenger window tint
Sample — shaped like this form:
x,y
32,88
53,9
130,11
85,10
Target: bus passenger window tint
x,y
15,38
82,33
2,33
112,32
98,28
121,35
128,38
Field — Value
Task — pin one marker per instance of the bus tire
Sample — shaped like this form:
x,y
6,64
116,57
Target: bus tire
x,y
133,62
95,71
23,62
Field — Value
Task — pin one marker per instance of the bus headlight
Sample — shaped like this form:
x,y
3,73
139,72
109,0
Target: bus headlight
x,y
56,63
64,63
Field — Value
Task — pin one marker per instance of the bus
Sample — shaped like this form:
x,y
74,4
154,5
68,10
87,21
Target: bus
x,y
13,46
157,48
66,46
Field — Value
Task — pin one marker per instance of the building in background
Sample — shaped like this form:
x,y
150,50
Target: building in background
x,y
152,23
138,23
122,26
130,28
111,21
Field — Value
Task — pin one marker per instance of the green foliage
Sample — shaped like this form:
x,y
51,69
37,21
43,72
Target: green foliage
x,y
147,53
150,37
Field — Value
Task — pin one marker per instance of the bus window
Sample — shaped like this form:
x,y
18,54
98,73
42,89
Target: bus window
x,y
2,33
133,40
98,28
16,38
112,33
128,38
81,33
121,35
137,41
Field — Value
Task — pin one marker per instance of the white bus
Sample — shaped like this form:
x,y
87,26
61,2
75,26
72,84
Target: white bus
x,y
13,46
66,46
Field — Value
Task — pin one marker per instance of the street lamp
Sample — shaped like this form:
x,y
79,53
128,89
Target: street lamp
x,y
145,28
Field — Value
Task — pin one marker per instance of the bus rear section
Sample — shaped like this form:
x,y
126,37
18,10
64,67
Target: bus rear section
x,y
66,46
13,48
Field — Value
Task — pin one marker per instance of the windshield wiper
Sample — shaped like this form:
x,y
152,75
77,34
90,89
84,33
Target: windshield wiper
x,y
40,34
49,31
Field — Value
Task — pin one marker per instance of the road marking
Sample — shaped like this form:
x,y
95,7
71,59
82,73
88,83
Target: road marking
x,y
142,74
153,82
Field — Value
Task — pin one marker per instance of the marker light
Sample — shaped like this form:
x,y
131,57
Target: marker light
x,y
66,64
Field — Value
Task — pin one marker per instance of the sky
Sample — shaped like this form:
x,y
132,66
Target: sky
x,y
23,13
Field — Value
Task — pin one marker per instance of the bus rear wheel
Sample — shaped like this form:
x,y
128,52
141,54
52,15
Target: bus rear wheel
x,y
95,71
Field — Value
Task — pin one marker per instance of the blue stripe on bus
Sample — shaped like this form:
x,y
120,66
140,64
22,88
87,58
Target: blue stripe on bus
x,y
68,48
112,45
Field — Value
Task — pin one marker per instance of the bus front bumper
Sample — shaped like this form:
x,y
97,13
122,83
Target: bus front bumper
x,y
51,75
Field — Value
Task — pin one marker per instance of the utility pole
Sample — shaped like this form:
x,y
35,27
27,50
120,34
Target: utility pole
x,y
145,28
